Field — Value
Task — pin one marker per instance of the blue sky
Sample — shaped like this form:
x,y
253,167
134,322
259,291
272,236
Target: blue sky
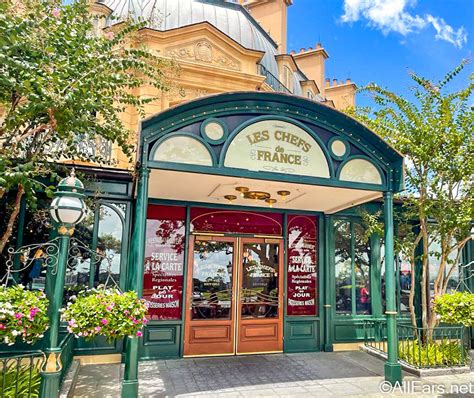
x,y
382,40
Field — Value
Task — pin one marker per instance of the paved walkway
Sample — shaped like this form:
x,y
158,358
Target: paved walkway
x,y
342,374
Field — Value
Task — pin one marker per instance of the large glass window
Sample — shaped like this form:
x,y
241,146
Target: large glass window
x,y
164,259
403,280
352,269
96,258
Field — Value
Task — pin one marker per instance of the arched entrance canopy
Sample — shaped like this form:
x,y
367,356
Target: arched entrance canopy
x,y
278,139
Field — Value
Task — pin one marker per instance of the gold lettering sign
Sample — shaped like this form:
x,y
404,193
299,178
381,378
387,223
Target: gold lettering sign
x,y
278,147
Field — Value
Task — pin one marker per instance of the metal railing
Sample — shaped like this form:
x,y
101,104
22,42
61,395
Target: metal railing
x,y
67,354
445,347
20,374
272,80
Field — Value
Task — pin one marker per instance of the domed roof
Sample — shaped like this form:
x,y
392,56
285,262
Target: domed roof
x,y
231,19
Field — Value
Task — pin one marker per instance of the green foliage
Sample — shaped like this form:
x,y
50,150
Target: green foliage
x,y
23,315
64,85
434,133
106,312
434,354
456,308
19,381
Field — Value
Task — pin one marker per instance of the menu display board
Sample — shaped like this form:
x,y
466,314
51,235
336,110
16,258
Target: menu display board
x,y
302,266
164,262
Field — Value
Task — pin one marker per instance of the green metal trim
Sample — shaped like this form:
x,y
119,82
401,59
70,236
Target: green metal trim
x,y
277,104
287,119
375,276
185,277
392,367
204,135
95,233
157,144
285,276
329,283
382,174
346,144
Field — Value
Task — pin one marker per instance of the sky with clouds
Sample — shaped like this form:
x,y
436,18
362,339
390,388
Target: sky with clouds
x,y
383,40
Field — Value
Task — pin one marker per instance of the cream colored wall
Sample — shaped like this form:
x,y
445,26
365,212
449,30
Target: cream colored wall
x,y
210,62
311,62
341,93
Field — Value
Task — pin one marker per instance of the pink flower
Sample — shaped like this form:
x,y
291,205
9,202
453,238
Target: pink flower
x,y
104,321
144,320
139,334
97,328
134,321
126,312
56,13
108,308
2,326
18,316
110,35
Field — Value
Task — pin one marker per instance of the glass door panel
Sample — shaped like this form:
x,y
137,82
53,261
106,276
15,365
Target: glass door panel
x,y
260,315
259,295
212,280
210,320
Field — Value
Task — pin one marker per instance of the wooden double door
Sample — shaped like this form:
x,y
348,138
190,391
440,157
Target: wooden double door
x,y
234,296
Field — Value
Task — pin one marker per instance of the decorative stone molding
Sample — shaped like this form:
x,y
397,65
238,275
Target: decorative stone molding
x,y
205,52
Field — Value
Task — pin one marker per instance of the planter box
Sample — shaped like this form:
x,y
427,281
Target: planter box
x,y
420,372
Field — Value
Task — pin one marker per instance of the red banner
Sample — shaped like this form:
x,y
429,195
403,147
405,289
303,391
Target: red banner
x,y
164,259
302,266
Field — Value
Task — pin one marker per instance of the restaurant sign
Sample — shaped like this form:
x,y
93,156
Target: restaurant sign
x,y
279,147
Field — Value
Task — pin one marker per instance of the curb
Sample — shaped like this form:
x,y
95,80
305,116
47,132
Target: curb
x,y
69,382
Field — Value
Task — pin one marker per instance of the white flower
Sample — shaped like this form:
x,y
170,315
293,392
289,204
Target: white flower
x,y
15,332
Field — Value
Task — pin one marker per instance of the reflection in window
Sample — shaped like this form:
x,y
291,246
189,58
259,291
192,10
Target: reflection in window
x,y
403,280
183,149
362,270
212,280
260,266
360,170
343,267
101,232
434,261
352,269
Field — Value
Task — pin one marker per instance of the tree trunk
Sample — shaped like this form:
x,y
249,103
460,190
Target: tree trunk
x,y
11,221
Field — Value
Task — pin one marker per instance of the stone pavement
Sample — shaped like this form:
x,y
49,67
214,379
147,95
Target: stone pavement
x,y
341,374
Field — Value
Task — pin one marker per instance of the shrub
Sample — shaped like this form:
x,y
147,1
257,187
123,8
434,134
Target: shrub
x,y
456,308
23,314
19,381
105,312
432,354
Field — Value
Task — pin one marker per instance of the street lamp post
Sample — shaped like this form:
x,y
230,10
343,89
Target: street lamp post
x,y
67,209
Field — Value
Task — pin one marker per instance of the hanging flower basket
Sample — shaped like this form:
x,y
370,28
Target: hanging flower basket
x,y
105,312
23,315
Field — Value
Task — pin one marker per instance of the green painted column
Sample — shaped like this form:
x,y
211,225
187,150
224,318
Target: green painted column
x,y
393,371
328,285
135,281
51,372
